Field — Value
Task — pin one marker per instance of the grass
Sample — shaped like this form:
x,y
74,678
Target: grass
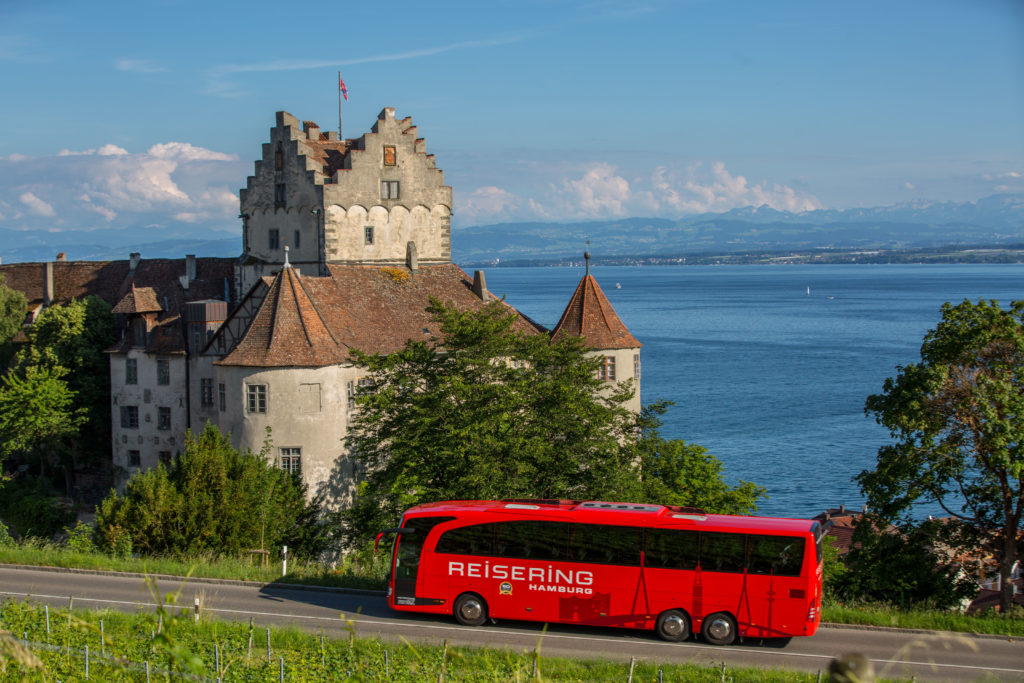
x,y
368,573
121,646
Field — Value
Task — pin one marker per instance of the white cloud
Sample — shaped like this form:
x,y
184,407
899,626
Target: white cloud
x,y
112,187
36,205
601,190
909,186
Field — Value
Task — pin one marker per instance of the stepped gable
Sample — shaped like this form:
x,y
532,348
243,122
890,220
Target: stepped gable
x,y
590,315
315,321
287,330
330,154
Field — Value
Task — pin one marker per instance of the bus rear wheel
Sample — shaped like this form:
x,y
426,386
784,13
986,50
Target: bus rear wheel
x,y
719,628
470,609
673,625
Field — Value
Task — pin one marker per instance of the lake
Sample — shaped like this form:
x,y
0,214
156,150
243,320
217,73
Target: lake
x,y
769,366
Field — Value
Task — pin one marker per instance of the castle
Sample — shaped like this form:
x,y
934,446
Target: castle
x,y
344,244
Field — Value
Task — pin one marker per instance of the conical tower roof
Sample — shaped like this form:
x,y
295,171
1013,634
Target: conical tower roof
x,y
287,330
590,315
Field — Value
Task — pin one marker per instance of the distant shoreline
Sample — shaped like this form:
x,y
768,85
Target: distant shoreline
x,y
958,254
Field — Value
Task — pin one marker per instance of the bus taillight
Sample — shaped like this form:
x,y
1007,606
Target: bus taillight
x,y
811,613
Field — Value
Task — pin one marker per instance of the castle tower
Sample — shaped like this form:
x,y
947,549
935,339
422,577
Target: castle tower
x,y
370,200
590,316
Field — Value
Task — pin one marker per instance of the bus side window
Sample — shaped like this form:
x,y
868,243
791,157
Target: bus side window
x,y
722,552
542,541
671,549
467,540
778,555
606,544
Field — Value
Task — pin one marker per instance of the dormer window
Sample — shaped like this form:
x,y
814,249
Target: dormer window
x,y
389,189
390,156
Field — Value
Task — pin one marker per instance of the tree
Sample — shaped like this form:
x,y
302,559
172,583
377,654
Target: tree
x,y
958,421
12,317
75,336
674,472
486,411
215,499
38,417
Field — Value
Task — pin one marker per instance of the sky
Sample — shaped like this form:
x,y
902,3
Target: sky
x,y
149,115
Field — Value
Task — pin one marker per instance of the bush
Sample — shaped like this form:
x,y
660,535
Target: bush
x,y
32,508
6,541
212,499
80,538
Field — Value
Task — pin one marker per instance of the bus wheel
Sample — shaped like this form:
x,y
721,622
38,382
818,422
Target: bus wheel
x,y
470,609
673,625
719,628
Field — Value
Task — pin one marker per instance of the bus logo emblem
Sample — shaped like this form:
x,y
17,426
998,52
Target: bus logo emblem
x,y
505,588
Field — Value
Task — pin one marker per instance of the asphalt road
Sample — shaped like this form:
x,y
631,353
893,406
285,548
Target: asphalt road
x,y
929,656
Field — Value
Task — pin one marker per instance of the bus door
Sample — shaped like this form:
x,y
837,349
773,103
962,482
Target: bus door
x,y
778,596
609,558
669,564
408,552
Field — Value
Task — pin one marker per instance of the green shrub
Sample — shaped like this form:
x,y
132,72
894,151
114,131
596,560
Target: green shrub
x,y
5,537
80,538
32,508
212,499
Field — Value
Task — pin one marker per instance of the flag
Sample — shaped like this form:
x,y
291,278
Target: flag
x,y
342,88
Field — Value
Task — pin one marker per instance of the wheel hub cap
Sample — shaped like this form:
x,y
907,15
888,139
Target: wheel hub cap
x,y
673,625
472,609
720,628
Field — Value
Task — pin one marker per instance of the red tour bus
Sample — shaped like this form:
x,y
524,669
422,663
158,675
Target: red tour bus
x,y
674,570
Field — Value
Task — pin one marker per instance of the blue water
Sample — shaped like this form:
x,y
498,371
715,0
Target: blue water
x,y
769,379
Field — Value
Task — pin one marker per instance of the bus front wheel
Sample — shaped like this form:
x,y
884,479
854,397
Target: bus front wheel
x,y
673,625
470,609
719,628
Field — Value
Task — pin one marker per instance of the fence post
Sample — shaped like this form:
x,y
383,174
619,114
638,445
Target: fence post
x,y
103,648
195,604
216,658
282,670
86,662
284,560
723,672
632,664
47,619
268,645
147,671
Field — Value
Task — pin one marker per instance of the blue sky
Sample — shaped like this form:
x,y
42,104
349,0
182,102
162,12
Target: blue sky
x,y
150,115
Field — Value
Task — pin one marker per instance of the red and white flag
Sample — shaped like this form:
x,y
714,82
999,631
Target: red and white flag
x,y
341,88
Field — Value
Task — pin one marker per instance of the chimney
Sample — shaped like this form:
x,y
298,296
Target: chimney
x,y
48,283
842,508
190,267
412,259
61,256
133,261
480,284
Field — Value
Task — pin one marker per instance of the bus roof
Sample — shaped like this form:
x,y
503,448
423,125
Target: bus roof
x,y
601,512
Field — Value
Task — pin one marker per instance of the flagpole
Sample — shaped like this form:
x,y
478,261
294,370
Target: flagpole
x,y
340,138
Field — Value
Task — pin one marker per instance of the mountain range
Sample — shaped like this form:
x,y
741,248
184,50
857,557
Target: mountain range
x,y
996,220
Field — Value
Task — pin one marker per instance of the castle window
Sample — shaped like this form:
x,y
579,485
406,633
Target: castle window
x,y
636,365
291,460
608,369
274,239
206,392
222,390
278,195
256,398
163,371
368,234
129,417
131,371
134,459
165,458
297,241
163,418
278,159
389,155
389,189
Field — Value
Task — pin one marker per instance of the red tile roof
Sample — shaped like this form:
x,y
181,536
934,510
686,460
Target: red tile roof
x,y
590,315
314,321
